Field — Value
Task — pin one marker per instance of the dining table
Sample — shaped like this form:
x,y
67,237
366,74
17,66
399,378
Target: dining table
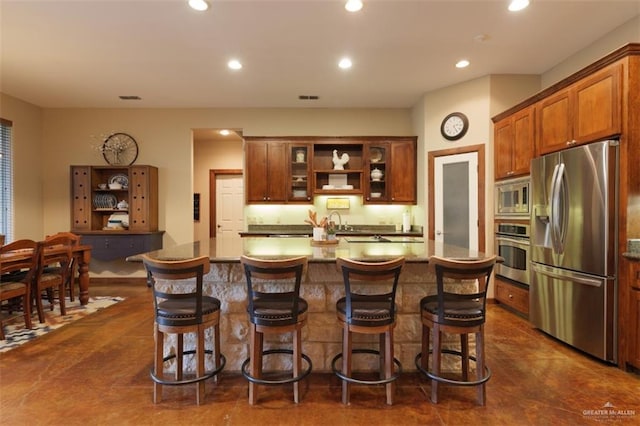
x,y
82,257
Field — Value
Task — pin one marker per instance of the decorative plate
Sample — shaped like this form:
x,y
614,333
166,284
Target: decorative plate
x,y
121,179
375,155
105,201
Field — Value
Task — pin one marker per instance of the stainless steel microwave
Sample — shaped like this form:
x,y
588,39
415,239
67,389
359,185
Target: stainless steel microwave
x,y
512,198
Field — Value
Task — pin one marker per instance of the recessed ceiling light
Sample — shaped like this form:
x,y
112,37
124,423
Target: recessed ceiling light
x,y
199,5
462,64
353,5
517,5
345,63
234,64
224,132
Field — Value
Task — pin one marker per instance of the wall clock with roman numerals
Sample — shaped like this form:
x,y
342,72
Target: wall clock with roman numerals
x,y
454,126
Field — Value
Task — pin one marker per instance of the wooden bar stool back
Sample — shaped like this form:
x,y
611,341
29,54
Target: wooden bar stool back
x,y
368,308
460,313
275,307
180,308
18,266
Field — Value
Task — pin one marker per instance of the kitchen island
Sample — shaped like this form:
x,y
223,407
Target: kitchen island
x,y
322,287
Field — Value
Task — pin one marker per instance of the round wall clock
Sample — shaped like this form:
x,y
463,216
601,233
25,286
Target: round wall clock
x,y
454,126
120,149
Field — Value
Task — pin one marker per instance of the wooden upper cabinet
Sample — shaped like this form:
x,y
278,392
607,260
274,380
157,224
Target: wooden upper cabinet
x,y
390,172
514,144
291,170
81,199
93,202
403,171
266,171
143,205
584,112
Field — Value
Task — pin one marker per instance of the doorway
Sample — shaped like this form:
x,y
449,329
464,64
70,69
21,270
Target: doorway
x,y
456,196
226,197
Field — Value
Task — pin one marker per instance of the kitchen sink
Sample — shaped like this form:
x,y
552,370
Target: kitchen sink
x,y
380,239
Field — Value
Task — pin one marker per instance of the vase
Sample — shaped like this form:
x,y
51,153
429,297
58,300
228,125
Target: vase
x,y
376,174
319,234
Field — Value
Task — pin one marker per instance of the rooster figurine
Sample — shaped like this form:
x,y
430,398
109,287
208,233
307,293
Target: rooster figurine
x,y
339,162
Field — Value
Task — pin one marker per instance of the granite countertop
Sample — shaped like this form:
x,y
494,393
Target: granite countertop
x,y
230,249
293,230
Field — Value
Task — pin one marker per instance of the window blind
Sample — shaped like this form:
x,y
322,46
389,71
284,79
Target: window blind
x,y
6,180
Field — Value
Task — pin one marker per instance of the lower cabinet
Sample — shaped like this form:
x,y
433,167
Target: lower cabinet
x,y
108,247
513,295
634,317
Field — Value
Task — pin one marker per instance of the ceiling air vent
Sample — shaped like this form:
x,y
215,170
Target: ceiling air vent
x,y
130,98
308,97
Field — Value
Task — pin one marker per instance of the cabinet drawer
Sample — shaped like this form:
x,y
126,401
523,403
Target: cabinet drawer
x,y
112,247
512,296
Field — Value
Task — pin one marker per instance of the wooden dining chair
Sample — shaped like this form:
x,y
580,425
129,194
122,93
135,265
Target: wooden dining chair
x,y
18,265
54,260
72,240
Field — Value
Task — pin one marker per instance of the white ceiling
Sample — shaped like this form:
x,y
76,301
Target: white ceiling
x,y
86,53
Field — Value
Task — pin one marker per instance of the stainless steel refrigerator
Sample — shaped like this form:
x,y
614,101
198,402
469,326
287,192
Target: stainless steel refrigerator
x,y
573,246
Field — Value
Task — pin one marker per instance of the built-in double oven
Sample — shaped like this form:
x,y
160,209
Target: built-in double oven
x,y
512,213
512,244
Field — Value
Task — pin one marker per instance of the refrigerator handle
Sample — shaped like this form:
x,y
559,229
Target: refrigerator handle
x,y
553,197
573,278
560,210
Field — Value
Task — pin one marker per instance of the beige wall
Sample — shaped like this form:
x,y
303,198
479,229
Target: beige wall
x,y
211,154
164,138
29,164
471,98
626,33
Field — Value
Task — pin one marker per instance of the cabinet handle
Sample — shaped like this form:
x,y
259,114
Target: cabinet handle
x,y
510,296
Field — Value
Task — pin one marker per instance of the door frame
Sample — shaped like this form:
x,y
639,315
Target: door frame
x,y
213,175
431,157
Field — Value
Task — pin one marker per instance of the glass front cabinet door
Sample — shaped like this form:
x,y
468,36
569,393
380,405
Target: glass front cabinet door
x,y
299,173
377,190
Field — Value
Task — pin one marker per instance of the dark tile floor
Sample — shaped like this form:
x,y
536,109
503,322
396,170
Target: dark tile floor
x,y
95,371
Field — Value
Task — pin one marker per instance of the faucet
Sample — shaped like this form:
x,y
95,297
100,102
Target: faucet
x,y
331,213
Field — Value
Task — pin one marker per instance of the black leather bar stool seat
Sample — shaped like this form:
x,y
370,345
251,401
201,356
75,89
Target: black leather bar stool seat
x,y
462,313
275,307
183,309
368,308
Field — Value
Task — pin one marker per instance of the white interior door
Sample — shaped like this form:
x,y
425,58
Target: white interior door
x,y
229,204
456,199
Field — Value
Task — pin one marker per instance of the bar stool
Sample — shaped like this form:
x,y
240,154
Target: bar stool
x,y
367,309
182,308
456,313
275,311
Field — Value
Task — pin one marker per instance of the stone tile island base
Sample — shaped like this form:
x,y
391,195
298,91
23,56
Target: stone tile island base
x,y
322,337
